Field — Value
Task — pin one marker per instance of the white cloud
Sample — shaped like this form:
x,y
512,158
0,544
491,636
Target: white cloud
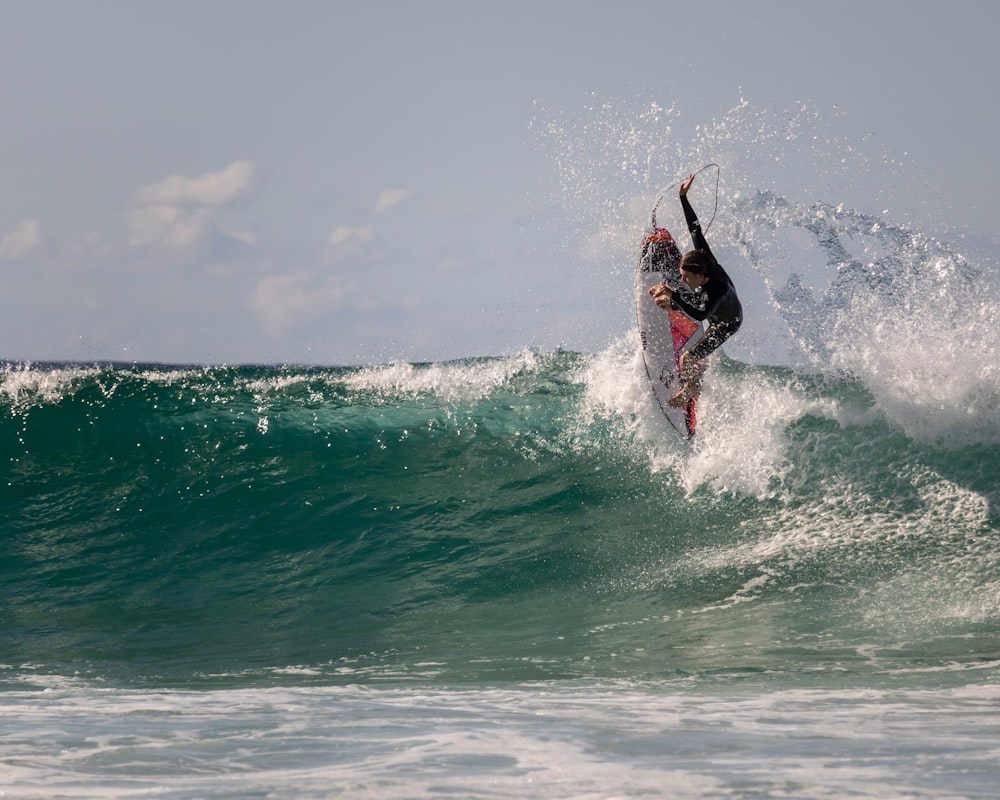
x,y
345,235
390,198
167,226
211,189
176,213
353,248
281,300
24,239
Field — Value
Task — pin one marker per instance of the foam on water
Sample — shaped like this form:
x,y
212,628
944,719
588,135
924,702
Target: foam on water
x,y
584,741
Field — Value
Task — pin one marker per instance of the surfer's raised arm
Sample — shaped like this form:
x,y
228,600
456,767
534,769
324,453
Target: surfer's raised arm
x,y
694,226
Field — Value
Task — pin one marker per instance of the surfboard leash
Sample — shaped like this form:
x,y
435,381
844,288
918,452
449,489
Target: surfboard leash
x,y
715,209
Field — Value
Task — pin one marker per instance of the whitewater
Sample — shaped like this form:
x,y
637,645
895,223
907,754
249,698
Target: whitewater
x,y
507,576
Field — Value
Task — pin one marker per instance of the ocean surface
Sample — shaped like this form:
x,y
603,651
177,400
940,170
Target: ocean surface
x,y
496,577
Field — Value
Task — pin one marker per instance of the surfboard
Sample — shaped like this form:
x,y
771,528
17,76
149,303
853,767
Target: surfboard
x,y
664,335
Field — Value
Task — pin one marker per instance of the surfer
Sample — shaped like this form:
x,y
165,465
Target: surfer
x,y
720,304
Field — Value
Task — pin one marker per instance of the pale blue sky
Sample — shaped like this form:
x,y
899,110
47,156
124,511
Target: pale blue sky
x,y
356,182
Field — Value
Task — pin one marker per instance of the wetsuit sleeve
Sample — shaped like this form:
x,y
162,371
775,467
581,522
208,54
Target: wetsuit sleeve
x,y
692,311
694,226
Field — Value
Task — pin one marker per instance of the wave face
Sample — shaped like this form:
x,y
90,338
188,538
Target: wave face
x,y
495,519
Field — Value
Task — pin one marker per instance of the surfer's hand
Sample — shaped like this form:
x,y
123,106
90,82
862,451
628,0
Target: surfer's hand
x,y
662,295
685,186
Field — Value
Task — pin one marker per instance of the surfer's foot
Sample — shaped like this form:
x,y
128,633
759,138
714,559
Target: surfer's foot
x,y
685,395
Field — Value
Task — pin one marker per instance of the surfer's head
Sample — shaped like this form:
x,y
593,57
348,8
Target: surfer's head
x,y
696,267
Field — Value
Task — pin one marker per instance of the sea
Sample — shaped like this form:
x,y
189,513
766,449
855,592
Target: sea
x,y
507,576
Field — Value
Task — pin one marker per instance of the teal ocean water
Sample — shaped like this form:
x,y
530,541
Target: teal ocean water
x,y
493,577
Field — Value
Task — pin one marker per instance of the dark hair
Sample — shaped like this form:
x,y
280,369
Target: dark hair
x,y
698,262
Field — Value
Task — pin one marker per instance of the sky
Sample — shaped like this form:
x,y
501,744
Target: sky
x,y
338,183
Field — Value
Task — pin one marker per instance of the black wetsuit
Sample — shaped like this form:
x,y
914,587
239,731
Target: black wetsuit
x,y
720,306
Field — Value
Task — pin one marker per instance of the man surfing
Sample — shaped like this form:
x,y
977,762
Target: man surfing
x,y
719,302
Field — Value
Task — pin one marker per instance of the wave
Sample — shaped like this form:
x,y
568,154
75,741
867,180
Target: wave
x,y
521,516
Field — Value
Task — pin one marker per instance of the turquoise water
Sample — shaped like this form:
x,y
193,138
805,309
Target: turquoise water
x,y
492,577
489,516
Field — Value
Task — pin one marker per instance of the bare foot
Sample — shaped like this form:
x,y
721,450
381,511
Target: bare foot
x,y
684,396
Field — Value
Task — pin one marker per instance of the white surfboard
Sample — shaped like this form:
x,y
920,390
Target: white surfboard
x,y
664,334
